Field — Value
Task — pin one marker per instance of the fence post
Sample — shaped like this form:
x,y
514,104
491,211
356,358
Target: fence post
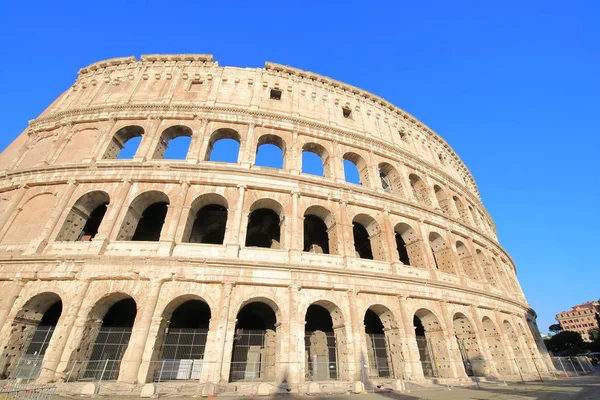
x,y
563,366
519,369
573,365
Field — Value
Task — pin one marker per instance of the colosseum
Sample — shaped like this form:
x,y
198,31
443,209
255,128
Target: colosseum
x,y
127,264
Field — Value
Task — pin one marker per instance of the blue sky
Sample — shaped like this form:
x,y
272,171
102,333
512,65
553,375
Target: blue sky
x,y
512,86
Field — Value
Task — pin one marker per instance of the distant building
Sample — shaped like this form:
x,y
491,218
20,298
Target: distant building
x,y
580,319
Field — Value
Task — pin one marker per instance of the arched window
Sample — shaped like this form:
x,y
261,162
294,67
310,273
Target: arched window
x,y
145,217
356,169
264,225
181,344
315,160
468,345
441,253
490,276
108,330
29,336
407,243
462,210
442,199
207,220
83,221
474,218
174,143
496,347
467,262
419,189
434,355
255,344
320,231
223,146
368,242
324,339
124,143
391,181
270,152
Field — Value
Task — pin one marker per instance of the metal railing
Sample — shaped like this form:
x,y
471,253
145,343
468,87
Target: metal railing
x,y
190,376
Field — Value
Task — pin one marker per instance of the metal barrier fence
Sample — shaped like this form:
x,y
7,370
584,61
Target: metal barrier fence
x,y
191,375
573,366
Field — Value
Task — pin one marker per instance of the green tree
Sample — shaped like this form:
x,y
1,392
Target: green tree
x,y
555,328
566,342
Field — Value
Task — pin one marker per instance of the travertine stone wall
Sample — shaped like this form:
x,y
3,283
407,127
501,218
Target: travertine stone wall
x,y
415,194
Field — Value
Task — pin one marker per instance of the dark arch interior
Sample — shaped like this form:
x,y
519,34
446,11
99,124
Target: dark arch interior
x,y
209,225
263,229
193,314
419,328
254,346
373,323
379,364
362,243
316,238
184,342
52,315
90,229
151,222
401,247
318,319
256,315
320,344
121,314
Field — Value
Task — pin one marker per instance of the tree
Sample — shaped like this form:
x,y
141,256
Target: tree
x,y
555,328
567,342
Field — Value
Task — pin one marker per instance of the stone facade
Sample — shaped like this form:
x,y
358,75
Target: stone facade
x,y
273,274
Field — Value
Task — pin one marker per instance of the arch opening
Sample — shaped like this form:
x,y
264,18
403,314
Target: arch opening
x,y
182,342
320,345
85,217
462,210
494,342
409,247
316,238
419,190
264,229
223,146
270,152
467,262
391,181
315,160
442,254
442,199
30,335
125,143
145,217
209,225
320,231
468,346
380,363
106,336
513,339
254,344
431,343
174,143
356,170
368,242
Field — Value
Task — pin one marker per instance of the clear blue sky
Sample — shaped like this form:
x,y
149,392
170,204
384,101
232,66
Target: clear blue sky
x,y
512,86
